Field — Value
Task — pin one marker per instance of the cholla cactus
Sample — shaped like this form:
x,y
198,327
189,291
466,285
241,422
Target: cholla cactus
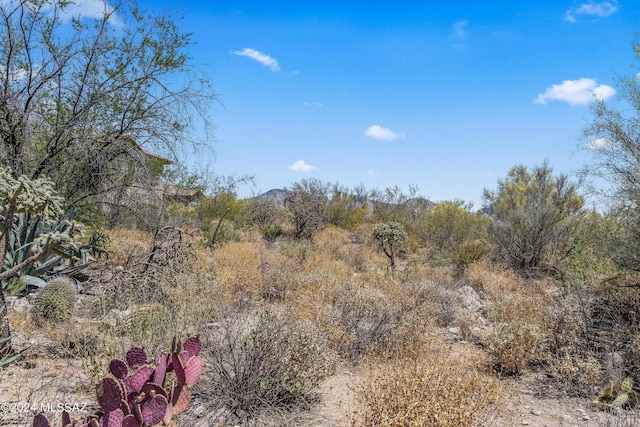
x,y
391,236
22,195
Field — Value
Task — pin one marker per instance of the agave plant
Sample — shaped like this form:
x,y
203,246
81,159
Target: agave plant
x,y
31,234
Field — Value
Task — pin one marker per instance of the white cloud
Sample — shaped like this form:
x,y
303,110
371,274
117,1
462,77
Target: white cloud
x,y
599,144
599,9
89,9
386,134
460,28
576,92
262,58
312,104
373,172
301,166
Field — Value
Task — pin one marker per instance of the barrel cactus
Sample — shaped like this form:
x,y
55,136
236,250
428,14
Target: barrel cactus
x,y
56,300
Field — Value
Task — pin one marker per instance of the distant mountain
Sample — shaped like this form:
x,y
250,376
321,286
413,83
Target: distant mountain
x,y
417,204
276,195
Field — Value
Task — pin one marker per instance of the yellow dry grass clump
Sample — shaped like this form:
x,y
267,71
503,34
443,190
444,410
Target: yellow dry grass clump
x,y
426,383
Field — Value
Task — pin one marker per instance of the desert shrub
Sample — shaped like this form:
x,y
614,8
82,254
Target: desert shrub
x,y
347,209
365,319
614,322
425,385
431,301
519,336
469,252
146,271
536,216
236,267
451,224
307,205
56,300
267,216
491,279
149,325
264,363
574,374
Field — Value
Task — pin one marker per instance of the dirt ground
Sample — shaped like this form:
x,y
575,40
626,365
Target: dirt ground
x,y
43,383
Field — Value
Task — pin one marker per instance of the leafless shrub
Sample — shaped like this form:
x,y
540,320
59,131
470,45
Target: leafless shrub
x,y
367,320
620,418
138,279
267,363
307,205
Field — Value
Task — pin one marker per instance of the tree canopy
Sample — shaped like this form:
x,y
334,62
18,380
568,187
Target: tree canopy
x,y
85,98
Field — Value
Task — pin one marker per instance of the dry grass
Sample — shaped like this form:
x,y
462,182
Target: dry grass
x,y
279,317
519,336
426,384
492,280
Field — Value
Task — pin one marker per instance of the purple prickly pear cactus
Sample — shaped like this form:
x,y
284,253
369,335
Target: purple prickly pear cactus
x,y
41,420
192,345
153,410
140,399
136,357
112,419
109,393
118,369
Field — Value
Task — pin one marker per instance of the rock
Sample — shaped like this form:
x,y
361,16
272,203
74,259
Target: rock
x,y
537,412
470,299
20,305
115,318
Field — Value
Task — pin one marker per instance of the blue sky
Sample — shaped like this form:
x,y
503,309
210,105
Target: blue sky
x,y
445,95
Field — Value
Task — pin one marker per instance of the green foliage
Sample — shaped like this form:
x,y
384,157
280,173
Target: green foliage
x,y
394,205
22,194
120,89
469,252
536,215
28,199
391,236
347,209
55,302
455,231
619,395
31,235
611,139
